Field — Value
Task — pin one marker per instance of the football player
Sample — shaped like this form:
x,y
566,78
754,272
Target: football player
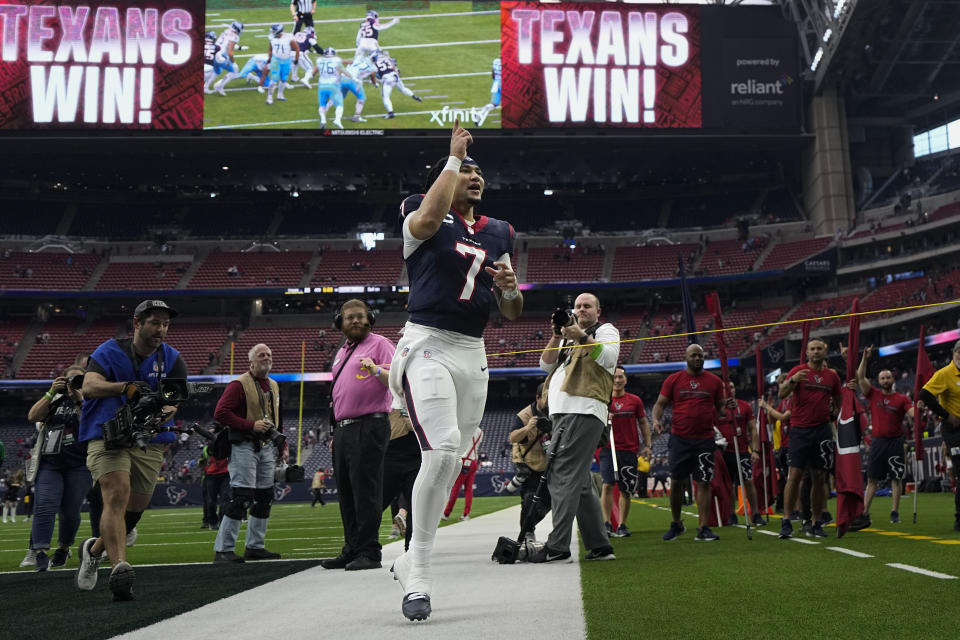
x,y
329,69
306,40
368,36
459,265
228,44
494,91
210,48
282,47
359,68
389,75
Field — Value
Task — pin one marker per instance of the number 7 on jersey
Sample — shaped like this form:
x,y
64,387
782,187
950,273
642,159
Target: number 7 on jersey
x,y
479,255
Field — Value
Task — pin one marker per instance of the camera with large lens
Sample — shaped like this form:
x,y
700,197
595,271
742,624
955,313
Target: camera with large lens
x,y
561,318
544,425
136,423
274,437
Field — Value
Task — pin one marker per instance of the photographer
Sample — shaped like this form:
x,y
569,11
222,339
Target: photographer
x,y
579,388
250,407
119,373
216,478
58,468
530,458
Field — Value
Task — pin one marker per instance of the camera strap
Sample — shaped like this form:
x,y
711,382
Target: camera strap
x,y
346,358
136,361
567,346
263,402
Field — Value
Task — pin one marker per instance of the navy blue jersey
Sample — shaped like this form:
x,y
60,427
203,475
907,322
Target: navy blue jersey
x,y
449,288
385,65
368,29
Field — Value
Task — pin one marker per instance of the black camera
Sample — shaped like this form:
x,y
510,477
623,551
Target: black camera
x,y
272,435
292,473
142,417
544,425
561,318
75,381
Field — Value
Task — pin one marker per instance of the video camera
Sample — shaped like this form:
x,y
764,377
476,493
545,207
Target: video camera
x,y
142,417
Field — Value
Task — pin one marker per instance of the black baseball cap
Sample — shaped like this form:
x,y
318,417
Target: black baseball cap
x,y
149,305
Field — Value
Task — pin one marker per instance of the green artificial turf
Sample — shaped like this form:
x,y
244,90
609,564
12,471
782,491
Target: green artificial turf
x,y
246,109
735,588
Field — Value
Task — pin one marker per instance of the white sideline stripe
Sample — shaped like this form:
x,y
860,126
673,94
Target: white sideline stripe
x,y
767,533
360,20
434,97
850,552
317,121
923,572
403,46
802,541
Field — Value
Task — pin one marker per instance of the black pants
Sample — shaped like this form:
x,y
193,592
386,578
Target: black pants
x,y
317,497
400,468
527,492
358,453
216,491
303,19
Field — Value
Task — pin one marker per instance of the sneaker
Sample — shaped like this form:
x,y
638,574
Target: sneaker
x,y
260,554
89,563
401,524
622,531
758,520
826,518
394,533
894,517
786,529
732,520
862,521
132,537
601,553
609,529
546,554
220,557
464,517
816,531
705,535
416,606
340,562
281,99
676,528
390,115
43,561
806,527
445,517
306,83
30,559
338,124
360,563
60,557
121,582
417,98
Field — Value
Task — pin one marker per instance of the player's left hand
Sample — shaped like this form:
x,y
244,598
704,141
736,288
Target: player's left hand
x,y
503,276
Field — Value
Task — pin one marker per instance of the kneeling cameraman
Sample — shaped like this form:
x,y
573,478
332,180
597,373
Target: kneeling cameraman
x,y
530,459
120,371
250,407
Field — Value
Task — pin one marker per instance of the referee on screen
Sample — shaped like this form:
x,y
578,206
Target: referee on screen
x,y
302,12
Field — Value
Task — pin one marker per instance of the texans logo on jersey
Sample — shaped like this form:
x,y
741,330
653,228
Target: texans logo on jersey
x,y
618,405
817,379
694,384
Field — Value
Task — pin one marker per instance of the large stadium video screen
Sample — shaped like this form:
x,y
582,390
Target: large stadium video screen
x,y
369,68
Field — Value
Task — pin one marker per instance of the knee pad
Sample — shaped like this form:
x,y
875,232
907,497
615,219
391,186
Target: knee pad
x,y
261,503
241,499
440,467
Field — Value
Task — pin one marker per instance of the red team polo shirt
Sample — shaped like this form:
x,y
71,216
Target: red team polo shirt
x,y
694,401
811,399
744,415
626,412
887,411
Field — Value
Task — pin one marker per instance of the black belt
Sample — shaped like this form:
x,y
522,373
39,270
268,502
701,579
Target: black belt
x,y
369,416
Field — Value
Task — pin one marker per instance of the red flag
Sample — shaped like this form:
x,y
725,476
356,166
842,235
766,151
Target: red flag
x,y
720,491
924,373
848,471
804,340
764,478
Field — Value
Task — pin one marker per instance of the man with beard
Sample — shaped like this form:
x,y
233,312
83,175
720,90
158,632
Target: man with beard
x,y
742,424
361,423
697,398
816,389
119,373
887,411
459,266
250,408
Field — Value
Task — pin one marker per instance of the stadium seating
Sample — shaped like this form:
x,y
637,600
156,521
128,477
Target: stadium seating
x,y
379,266
650,262
198,343
59,271
10,335
731,256
47,360
785,254
285,344
516,335
254,269
141,275
559,264
810,309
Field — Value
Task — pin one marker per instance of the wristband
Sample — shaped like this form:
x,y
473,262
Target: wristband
x,y
511,294
379,371
453,164
49,395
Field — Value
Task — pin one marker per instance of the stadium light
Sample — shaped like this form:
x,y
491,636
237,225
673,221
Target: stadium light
x,y
548,192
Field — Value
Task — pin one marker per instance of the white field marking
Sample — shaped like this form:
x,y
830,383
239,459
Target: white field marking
x,y
802,541
410,46
850,552
167,544
768,533
923,572
457,102
359,20
317,122
434,97
167,564
448,75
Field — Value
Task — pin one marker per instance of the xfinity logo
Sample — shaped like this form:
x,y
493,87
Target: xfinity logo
x,y
447,116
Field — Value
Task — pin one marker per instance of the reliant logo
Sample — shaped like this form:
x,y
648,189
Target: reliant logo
x,y
755,88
